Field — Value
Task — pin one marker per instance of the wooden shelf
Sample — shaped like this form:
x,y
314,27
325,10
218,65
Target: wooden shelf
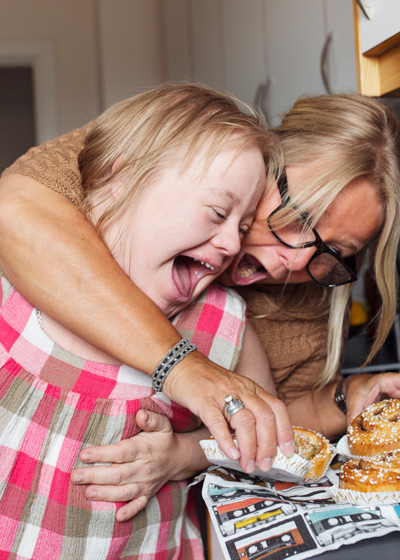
x,y
378,70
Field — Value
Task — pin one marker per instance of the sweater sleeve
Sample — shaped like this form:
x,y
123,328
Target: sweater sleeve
x,y
55,164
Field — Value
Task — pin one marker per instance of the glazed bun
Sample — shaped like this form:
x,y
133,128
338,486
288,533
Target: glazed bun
x,y
376,430
364,475
316,449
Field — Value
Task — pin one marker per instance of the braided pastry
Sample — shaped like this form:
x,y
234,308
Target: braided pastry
x,y
376,429
315,448
371,476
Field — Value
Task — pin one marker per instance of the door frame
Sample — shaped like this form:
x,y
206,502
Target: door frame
x,y
40,56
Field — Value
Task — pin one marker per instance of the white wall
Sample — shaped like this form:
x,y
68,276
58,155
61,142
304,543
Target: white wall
x,y
103,50
131,47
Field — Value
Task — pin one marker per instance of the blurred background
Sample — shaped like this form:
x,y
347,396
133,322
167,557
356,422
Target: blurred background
x,y
64,61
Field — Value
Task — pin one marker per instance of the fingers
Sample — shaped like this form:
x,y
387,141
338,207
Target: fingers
x,y
152,422
115,474
363,390
110,493
284,428
134,494
260,428
120,452
129,510
215,421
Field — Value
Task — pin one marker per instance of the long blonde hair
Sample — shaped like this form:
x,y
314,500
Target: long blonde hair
x,y
134,139
348,137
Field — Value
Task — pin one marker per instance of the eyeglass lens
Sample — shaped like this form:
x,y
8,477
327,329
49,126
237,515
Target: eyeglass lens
x,y
325,267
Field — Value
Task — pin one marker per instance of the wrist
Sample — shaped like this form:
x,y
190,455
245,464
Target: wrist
x,y
332,417
340,395
190,456
177,353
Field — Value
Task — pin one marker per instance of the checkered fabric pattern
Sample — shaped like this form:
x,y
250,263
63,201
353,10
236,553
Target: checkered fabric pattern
x,y
53,404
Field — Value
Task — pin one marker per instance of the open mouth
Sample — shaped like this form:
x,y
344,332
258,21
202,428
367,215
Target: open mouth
x,y
248,271
187,272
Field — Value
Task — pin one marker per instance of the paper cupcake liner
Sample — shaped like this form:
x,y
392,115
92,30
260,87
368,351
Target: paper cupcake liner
x,y
344,496
342,448
286,469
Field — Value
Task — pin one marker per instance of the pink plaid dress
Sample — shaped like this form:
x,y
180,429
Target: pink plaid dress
x,y
53,404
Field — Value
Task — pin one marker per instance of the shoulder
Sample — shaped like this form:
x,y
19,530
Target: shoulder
x,y
55,163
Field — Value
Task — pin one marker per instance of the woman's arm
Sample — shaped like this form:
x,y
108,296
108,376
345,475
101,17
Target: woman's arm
x,y
366,388
52,255
317,410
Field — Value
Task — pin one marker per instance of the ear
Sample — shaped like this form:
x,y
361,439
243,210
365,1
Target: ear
x,y
118,160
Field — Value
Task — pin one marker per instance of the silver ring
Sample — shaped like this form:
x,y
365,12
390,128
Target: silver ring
x,y
232,405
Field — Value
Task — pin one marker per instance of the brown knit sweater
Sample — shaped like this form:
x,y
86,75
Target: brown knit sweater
x,y
296,348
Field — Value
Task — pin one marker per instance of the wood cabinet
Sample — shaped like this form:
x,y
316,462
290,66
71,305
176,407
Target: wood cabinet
x,y
377,38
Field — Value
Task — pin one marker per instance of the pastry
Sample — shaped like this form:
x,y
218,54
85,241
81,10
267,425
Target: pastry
x,y
364,475
316,449
376,430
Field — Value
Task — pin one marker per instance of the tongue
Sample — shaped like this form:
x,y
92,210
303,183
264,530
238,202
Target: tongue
x,y
181,275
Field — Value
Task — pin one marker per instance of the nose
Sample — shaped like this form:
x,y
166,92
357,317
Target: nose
x,y
228,240
296,260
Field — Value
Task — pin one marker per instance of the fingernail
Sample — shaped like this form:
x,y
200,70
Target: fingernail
x,y
234,452
91,494
76,478
288,448
85,456
251,467
266,464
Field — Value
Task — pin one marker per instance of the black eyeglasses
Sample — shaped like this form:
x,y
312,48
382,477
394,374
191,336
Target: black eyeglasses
x,y
326,267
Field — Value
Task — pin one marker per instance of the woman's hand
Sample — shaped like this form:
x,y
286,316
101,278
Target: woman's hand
x,y
141,464
202,387
365,389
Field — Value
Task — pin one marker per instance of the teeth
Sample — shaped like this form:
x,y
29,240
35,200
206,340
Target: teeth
x,y
245,273
207,265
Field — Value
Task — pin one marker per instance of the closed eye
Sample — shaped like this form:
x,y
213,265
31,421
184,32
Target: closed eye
x,y
219,214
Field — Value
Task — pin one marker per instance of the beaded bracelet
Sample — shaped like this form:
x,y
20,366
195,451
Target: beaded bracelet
x,y
174,356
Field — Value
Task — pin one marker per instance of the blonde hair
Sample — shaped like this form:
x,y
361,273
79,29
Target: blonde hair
x,y
134,139
347,137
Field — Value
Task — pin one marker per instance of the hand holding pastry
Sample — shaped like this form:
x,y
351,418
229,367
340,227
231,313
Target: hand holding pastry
x,y
362,390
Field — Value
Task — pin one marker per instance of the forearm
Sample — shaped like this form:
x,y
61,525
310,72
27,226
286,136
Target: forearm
x,y
36,235
318,411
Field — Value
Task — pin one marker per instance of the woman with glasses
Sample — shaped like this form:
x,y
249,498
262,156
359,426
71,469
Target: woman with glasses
x,y
336,202
333,210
